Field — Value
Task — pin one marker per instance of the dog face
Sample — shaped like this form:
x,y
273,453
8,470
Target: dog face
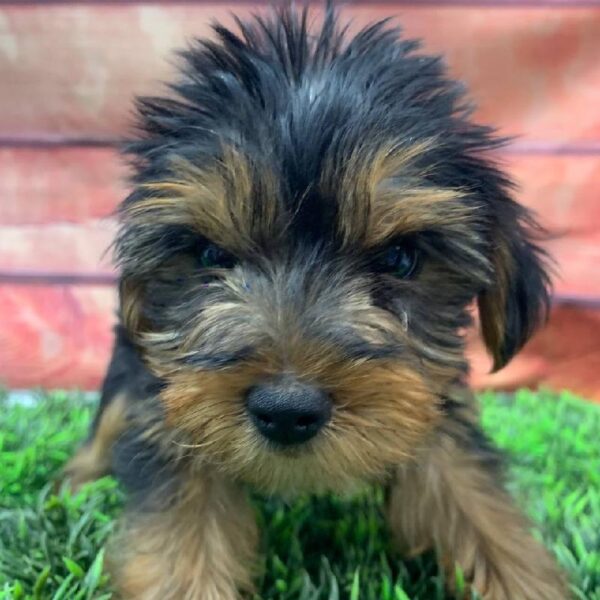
x,y
312,219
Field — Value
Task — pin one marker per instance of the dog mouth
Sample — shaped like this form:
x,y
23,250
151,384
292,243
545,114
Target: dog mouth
x,y
292,452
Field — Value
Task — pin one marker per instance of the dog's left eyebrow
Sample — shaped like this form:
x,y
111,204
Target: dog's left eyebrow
x,y
382,194
402,211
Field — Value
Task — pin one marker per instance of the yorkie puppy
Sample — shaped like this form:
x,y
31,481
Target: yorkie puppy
x,y
312,215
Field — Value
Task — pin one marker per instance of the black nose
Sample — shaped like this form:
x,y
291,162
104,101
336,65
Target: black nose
x,y
288,411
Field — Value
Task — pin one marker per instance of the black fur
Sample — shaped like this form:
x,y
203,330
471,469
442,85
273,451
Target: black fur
x,y
126,374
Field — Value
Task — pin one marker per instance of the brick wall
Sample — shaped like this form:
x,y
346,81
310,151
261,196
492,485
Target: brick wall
x,y
68,72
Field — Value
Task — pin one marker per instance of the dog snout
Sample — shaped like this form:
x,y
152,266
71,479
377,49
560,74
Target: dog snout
x,y
288,411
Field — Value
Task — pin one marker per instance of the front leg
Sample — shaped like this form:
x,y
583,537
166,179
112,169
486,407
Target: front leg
x,y
191,536
453,500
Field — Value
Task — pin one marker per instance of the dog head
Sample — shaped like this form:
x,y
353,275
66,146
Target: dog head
x,y
313,216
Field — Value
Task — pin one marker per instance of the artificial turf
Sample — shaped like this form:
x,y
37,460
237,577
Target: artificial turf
x,y
51,543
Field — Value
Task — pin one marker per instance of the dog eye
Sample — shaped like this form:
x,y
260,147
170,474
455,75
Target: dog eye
x,y
400,260
213,257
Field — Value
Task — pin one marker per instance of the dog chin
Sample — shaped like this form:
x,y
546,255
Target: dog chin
x,y
290,472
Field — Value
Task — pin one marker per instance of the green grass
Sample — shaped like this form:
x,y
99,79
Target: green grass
x,y
51,543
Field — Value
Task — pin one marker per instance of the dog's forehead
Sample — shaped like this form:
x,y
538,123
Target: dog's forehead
x,y
361,195
360,142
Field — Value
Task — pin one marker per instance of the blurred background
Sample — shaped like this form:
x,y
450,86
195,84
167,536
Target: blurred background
x,y
69,72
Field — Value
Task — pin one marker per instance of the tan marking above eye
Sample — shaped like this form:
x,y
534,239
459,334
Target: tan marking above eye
x,y
238,204
373,208
218,201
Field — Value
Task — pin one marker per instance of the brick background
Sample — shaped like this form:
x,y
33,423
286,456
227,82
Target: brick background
x,y
69,72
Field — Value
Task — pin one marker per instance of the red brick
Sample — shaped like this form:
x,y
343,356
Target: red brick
x,y
564,355
57,246
58,336
59,184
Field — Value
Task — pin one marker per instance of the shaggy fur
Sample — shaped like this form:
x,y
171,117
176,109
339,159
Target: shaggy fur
x,y
318,206
202,544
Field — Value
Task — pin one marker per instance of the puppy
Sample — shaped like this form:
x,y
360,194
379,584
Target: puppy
x,y
312,217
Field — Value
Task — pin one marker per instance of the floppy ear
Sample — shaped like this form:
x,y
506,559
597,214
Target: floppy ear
x,y
517,301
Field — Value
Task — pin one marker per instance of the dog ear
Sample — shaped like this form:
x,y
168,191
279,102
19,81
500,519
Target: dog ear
x,y
517,301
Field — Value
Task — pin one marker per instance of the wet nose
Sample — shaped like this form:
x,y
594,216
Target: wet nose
x,y
288,411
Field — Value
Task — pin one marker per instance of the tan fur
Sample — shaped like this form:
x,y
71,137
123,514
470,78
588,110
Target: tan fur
x,y
382,410
419,209
200,547
232,202
130,293
492,303
447,500
374,209
93,459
